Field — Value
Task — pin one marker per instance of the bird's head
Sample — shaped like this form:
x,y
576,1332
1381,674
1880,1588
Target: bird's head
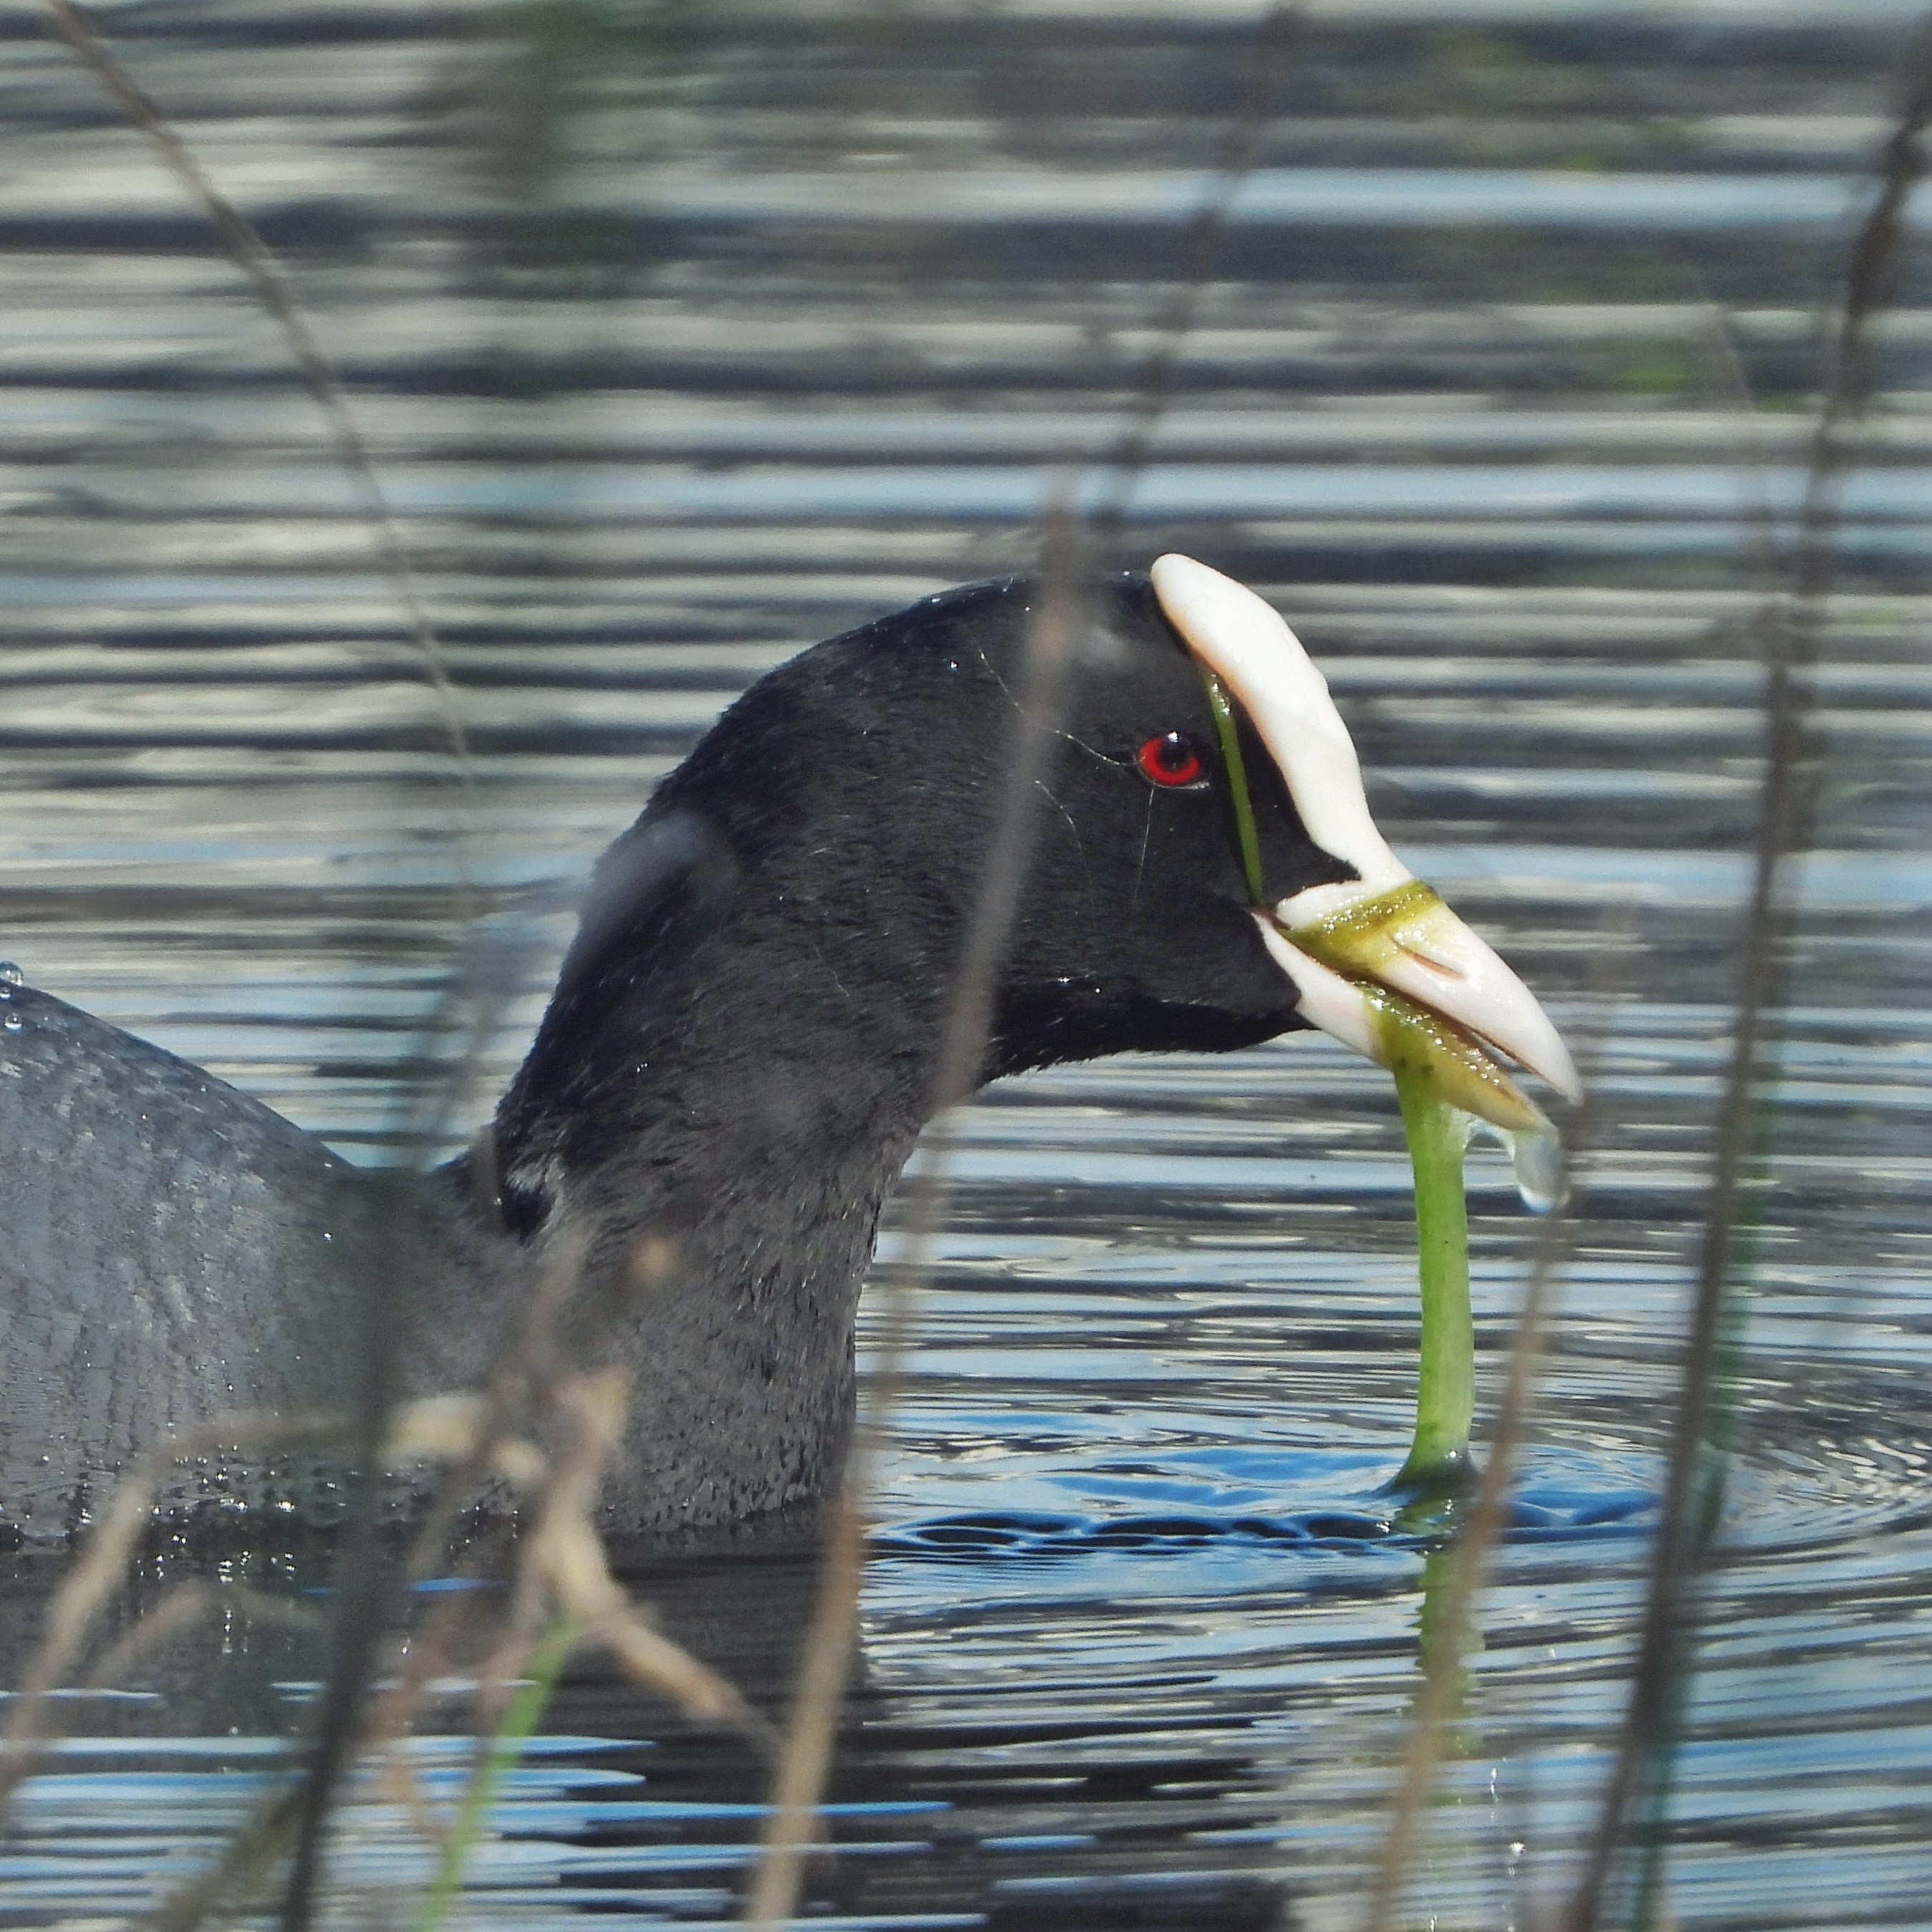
x,y
1201,869
1202,872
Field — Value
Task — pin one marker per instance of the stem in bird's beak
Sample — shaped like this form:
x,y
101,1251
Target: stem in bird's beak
x,y
1444,1081
1335,969
1404,937
1382,963
1247,841
1382,944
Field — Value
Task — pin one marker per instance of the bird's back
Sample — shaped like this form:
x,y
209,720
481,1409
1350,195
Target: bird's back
x,y
171,1252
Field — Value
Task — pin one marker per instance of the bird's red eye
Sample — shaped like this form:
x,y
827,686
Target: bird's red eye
x,y
1172,759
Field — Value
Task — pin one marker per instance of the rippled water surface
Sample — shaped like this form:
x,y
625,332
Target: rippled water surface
x,y
683,335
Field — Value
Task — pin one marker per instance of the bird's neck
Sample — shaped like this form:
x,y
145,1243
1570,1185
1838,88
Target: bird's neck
x,y
707,1135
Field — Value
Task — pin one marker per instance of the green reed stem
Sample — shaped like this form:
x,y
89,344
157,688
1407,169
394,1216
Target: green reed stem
x,y
499,1755
1247,839
1445,1399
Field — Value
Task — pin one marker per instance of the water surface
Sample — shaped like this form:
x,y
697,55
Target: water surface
x,y
690,337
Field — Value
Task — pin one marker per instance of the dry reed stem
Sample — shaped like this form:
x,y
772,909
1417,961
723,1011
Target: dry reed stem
x,y
524,1369
563,1568
85,1590
565,1595
1791,629
564,1573
272,288
563,1576
176,1612
806,1753
428,1655
575,1552
245,1856
566,1557
523,1375
1199,246
184,1605
490,1434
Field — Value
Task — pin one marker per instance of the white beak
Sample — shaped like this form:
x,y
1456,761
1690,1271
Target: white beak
x,y
1386,926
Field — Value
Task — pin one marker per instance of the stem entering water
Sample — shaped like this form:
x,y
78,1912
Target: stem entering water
x,y
1438,1463
1413,1048
1447,1080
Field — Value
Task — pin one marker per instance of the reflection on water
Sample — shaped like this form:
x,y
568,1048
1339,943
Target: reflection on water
x,y
685,335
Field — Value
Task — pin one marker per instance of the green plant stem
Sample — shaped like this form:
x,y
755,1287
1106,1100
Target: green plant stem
x,y
499,1755
1228,732
1445,1399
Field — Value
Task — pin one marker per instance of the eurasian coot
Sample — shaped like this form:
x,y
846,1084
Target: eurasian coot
x,y
734,1069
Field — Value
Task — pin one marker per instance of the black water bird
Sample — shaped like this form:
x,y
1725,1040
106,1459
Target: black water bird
x,y
734,1067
